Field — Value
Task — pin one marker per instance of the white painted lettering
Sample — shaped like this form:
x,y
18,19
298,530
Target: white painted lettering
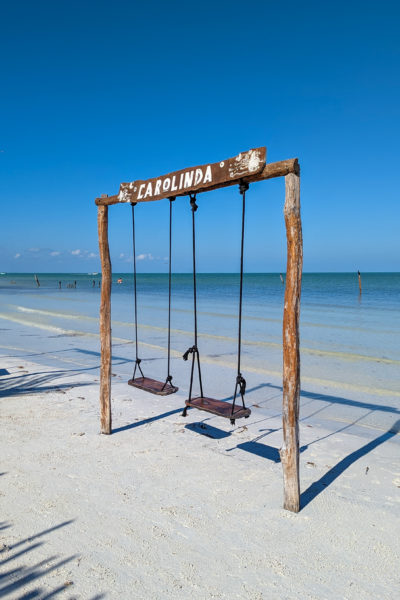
x,y
173,186
149,190
189,179
157,188
208,175
181,181
140,193
166,184
199,176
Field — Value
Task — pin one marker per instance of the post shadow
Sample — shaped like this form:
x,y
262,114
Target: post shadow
x,y
319,486
341,400
146,421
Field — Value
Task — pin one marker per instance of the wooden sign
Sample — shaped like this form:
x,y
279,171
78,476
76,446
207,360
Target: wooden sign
x,y
181,183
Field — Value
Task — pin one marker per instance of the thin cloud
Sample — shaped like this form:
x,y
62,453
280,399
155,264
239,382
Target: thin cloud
x,y
145,257
55,253
17,255
83,253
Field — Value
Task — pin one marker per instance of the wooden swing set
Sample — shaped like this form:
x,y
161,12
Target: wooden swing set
x,y
246,168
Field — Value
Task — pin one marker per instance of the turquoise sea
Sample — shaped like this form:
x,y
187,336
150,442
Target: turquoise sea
x,y
350,344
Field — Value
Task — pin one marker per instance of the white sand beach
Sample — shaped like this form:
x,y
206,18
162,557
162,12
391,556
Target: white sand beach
x,y
168,507
216,179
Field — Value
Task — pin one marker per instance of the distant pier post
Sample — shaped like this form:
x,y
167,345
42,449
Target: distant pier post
x,y
105,321
359,282
291,345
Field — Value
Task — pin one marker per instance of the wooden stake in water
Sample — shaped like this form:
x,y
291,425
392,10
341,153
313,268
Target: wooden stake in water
x,y
359,282
37,280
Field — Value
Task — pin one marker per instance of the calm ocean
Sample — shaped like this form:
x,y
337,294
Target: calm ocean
x,y
347,341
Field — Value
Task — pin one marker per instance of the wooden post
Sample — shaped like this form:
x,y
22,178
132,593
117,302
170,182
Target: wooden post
x,y
291,349
359,282
105,321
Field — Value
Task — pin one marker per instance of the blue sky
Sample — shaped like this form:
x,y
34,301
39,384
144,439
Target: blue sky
x,y
95,93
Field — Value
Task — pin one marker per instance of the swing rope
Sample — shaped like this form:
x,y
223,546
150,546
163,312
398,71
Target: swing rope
x,y
213,406
194,349
137,360
240,380
169,376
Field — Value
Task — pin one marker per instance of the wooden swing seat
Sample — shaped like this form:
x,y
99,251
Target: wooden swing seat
x,y
153,386
218,408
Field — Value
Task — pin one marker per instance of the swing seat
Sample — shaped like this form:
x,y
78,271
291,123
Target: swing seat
x,y
218,408
153,386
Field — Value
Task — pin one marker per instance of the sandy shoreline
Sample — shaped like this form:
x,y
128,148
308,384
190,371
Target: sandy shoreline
x,y
168,507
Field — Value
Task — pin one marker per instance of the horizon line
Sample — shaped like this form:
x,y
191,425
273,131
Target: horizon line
x,y
96,273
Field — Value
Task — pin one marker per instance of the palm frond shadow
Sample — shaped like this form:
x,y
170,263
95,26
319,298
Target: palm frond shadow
x,y
20,581
35,383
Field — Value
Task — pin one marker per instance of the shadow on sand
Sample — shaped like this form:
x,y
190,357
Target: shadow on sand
x,y
340,400
35,383
272,454
319,486
146,421
208,430
21,581
24,383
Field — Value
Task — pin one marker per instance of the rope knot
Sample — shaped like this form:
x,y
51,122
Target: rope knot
x,y
241,382
189,351
243,187
193,202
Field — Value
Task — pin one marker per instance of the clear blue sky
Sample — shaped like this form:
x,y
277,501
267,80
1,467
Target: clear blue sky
x,y
95,93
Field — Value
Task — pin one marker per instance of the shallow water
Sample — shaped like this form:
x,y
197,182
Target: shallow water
x,y
345,338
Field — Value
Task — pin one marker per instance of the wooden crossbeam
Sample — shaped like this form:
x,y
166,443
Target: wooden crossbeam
x,y
269,171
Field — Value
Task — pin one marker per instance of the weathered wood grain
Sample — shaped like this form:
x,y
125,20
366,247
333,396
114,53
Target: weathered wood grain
x,y
271,170
105,321
194,179
291,345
